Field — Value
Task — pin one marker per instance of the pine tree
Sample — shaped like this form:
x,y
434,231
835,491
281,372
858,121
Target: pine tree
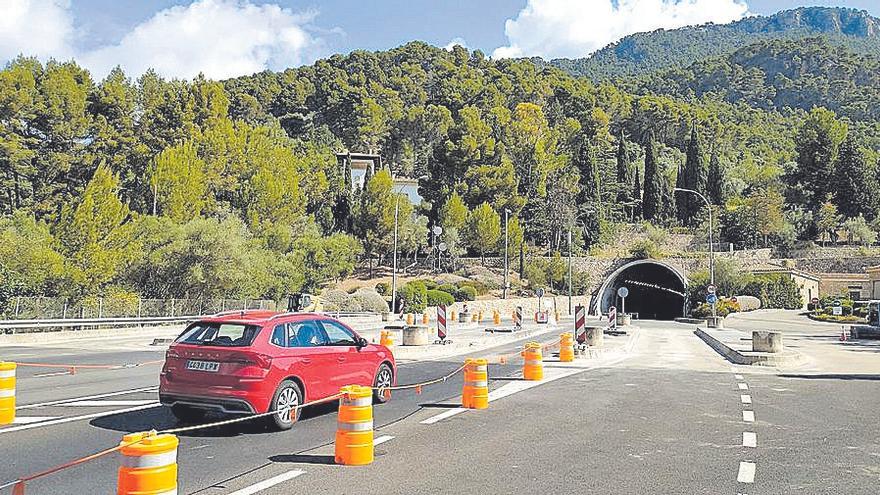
x,y
715,180
652,200
342,210
854,186
817,146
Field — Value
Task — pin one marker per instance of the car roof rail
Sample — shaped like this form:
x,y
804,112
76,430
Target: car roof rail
x,y
236,311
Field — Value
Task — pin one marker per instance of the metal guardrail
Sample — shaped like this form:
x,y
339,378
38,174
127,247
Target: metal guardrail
x,y
15,326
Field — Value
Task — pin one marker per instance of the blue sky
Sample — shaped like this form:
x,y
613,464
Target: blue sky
x,y
223,38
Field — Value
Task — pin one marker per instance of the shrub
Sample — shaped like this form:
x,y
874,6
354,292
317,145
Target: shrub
x,y
776,292
646,249
335,300
383,288
414,295
480,288
465,293
722,308
438,297
370,300
448,288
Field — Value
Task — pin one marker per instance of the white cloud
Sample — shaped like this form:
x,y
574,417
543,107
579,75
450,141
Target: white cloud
x,y
220,38
456,41
568,28
42,28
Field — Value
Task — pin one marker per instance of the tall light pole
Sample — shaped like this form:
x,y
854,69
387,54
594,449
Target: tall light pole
x,y
506,257
711,250
569,270
394,257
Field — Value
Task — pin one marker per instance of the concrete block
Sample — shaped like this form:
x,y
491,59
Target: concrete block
x,y
595,336
764,341
417,335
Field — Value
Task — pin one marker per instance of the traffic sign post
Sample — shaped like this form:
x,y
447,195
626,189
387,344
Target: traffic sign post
x,y
580,324
623,292
712,299
441,323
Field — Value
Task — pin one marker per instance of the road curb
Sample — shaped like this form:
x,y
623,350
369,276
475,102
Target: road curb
x,y
785,359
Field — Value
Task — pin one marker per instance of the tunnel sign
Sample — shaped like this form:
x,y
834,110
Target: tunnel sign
x,y
711,299
711,289
623,292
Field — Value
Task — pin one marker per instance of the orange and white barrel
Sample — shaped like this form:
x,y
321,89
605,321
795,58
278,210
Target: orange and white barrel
x,y
566,348
533,367
149,464
475,392
354,427
7,393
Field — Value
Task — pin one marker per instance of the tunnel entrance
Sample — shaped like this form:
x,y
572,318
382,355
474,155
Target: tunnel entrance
x,y
656,290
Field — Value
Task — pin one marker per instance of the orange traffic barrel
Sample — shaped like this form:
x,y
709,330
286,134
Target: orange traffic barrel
x,y
354,427
475,393
7,393
149,464
409,318
425,318
496,317
566,348
533,367
385,338
452,315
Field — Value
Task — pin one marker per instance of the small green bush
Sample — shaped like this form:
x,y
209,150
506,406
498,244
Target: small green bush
x,y
480,288
438,297
465,293
415,296
722,308
448,288
646,249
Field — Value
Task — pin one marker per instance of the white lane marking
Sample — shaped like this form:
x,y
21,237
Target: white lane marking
x,y
52,373
26,420
109,403
382,439
89,397
269,483
738,377
750,439
519,386
746,472
749,416
445,414
78,418
742,386
746,399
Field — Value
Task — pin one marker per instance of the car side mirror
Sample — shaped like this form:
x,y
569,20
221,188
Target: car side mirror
x,y
362,342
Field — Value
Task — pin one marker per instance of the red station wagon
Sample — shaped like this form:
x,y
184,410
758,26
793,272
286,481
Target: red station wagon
x,y
259,361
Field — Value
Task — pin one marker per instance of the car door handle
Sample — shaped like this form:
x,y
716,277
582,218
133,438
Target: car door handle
x,y
341,359
306,361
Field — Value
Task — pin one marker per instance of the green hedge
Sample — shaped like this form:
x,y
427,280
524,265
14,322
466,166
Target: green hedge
x,y
438,297
465,293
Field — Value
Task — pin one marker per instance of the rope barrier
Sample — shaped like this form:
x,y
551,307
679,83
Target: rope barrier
x,y
418,386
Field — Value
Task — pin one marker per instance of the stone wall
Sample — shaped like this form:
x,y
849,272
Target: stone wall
x,y
529,305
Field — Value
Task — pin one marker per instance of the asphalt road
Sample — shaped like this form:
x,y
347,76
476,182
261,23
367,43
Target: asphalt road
x,y
670,416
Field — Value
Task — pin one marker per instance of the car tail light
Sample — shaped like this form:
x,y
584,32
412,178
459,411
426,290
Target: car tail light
x,y
172,354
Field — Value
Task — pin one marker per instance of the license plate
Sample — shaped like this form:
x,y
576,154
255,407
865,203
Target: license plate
x,y
202,365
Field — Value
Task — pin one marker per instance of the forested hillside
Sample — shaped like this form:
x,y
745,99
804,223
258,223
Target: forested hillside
x,y
214,189
777,74
642,53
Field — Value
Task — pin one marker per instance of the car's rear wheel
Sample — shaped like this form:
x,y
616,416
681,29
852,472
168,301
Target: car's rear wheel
x,y
287,397
384,379
188,414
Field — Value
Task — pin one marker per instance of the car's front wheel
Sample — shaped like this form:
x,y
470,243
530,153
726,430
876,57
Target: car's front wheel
x,y
384,379
286,398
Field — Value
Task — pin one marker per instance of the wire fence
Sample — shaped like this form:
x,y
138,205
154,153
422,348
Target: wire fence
x,y
44,308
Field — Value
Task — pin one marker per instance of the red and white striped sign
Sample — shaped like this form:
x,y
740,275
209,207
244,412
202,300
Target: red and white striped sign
x,y
441,321
580,324
612,314
517,318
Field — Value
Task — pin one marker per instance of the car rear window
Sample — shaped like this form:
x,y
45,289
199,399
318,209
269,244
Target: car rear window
x,y
219,334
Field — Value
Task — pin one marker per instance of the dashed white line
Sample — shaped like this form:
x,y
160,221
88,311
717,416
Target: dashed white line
x,y
738,377
749,416
746,472
445,414
746,399
742,386
88,397
26,420
109,403
269,483
750,439
382,439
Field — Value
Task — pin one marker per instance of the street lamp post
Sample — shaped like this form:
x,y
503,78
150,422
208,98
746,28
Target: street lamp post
x,y
711,250
506,257
394,258
569,270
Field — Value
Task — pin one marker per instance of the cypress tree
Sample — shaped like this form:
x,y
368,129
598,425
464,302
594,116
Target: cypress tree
x,y
637,196
652,200
589,171
695,178
715,180
854,186
623,166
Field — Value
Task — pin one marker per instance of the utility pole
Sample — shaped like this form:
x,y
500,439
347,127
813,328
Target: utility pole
x,y
569,270
506,257
394,258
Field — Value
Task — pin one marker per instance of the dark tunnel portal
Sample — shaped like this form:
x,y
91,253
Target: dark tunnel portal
x,y
656,291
